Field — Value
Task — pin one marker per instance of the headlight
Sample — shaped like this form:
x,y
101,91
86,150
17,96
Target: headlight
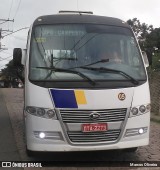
x,y
138,110
41,112
134,111
148,107
142,108
51,113
31,110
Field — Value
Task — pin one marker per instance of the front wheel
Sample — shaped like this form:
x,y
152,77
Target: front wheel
x,y
29,153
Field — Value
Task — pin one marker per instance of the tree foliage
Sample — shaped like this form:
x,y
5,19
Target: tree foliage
x,y
9,71
11,74
149,40
153,40
141,30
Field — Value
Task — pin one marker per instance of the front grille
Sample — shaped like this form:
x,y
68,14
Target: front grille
x,y
82,116
80,137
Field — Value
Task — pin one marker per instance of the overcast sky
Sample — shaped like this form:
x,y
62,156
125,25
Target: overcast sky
x,y
24,12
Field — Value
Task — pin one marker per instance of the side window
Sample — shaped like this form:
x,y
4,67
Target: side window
x,y
125,51
135,60
133,54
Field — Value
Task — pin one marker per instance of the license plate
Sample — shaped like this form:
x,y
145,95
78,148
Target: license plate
x,y
98,127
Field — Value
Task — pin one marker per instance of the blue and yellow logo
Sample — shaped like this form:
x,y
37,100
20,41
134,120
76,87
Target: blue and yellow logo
x,y
68,98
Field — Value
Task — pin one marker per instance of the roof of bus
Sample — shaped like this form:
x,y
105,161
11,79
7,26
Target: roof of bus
x,y
79,18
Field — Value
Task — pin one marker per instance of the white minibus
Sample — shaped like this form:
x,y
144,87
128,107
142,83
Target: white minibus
x,y
85,84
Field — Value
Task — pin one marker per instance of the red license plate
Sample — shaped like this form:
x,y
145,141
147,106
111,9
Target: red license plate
x,y
98,127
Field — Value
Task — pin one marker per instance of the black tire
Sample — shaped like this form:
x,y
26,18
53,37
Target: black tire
x,y
29,153
131,149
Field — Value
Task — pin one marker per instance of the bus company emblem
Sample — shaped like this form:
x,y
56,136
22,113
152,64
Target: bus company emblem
x,y
94,115
121,96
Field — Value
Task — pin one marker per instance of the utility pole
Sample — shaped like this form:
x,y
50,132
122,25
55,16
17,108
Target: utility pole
x,y
4,21
1,48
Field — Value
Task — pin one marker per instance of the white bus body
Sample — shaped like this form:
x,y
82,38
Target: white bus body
x,y
99,110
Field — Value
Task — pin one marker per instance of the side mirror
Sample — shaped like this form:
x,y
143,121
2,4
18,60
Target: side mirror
x,y
17,57
18,62
145,59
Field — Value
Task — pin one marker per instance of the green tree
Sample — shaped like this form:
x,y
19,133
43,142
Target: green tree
x,y
146,36
9,71
153,40
9,74
141,31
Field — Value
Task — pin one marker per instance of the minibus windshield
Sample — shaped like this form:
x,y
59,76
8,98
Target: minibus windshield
x,y
74,46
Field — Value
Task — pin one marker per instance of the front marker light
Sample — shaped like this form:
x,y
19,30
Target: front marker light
x,y
142,108
134,111
148,107
40,112
31,110
51,113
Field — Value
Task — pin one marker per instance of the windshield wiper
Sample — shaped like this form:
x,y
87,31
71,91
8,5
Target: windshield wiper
x,y
99,61
54,69
133,80
65,58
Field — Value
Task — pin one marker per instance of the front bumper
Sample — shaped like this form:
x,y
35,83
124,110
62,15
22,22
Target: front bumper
x,y
34,123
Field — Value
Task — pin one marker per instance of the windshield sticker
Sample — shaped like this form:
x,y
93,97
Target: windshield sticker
x,y
40,40
63,33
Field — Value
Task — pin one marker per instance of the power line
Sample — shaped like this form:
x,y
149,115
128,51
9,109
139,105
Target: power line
x,y
17,9
6,30
10,9
15,31
2,49
6,58
5,52
16,13
3,22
